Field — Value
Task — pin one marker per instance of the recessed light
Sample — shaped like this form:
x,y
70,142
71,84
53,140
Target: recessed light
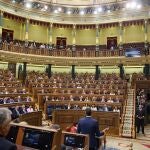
x,y
82,12
139,6
95,12
28,5
108,11
100,9
55,11
13,1
68,12
59,9
45,7
133,5
128,5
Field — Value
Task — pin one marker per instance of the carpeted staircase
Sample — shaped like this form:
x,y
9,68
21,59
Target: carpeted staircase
x,y
128,127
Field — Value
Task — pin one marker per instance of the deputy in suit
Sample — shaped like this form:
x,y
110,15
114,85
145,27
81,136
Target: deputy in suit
x,y
140,119
5,118
88,125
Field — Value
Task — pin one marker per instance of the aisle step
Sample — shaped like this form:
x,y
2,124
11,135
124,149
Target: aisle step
x,y
128,115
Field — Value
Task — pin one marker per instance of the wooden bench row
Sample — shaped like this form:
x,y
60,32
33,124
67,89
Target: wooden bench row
x,y
18,104
41,100
37,90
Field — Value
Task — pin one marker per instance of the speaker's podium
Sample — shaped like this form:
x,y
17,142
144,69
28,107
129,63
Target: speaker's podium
x,y
74,141
28,137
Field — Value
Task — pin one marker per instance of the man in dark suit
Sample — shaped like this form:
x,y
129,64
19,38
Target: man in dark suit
x,y
15,112
88,125
140,118
5,118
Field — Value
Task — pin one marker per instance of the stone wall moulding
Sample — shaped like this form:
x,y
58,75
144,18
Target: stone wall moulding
x,y
68,61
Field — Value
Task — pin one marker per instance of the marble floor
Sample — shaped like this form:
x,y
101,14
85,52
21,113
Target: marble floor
x,y
142,142
125,144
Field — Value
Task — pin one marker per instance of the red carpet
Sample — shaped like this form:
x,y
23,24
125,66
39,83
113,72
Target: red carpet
x,y
146,145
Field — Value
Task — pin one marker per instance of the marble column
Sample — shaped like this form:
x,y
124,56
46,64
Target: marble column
x,y
145,30
73,72
27,30
24,71
1,25
146,45
49,70
73,40
50,35
97,72
97,40
121,70
120,35
146,70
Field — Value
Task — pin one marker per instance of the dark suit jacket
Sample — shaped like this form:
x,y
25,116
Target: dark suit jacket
x,y
15,113
88,125
6,145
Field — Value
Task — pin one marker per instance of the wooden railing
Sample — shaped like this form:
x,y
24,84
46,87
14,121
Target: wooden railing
x,y
32,118
64,52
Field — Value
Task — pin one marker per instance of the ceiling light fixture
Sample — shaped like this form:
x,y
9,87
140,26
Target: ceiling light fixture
x,y
13,1
128,5
68,12
59,9
95,12
133,5
108,11
100,9
55,11
82,12
45,7
139,6
28,5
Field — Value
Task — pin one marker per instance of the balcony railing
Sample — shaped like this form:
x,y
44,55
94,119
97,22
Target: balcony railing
x,y
65,52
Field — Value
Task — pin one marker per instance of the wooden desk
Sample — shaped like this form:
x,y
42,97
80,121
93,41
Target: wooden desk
x,y
86,138
32,118
72,90
145,84
41,101
18,104
106,119
20,147
15,95
11,83
80,104
21,131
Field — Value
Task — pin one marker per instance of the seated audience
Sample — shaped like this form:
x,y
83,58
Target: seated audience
x,y
105,108
30,109
22,110
15,112
110,100
73,128
116,109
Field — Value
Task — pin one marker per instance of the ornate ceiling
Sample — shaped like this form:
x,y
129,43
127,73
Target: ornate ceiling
x,y
78,11
81,2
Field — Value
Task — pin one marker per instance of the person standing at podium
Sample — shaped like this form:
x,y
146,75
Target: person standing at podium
x,y
5,119
89,125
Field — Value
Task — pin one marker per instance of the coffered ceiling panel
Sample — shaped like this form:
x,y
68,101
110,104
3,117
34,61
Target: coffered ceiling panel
x,y
82,2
